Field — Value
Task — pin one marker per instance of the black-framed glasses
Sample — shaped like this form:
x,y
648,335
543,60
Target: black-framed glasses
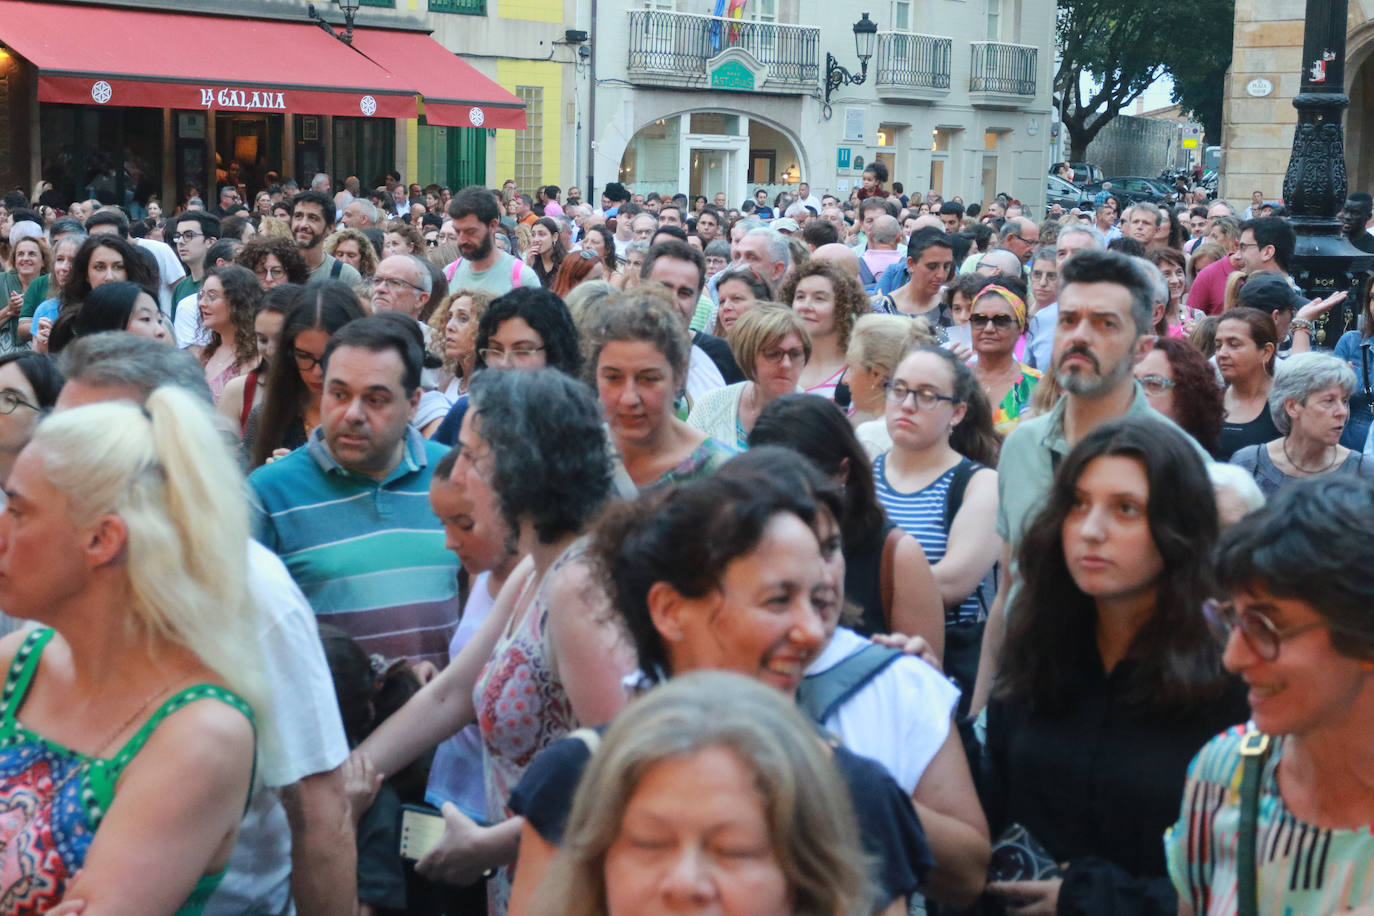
x,y
1000,322
926,399
774,355
395,284
306,361
1261,634
188,236
1155,385
10,401
492,356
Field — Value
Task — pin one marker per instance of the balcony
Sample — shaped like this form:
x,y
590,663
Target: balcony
x,y
912,67
691,51
1002,75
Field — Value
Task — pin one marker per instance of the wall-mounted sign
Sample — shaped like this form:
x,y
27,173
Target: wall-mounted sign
x,y
732,74
1259,87
842,157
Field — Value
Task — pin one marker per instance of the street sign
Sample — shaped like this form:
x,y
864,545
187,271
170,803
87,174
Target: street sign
x,y
842,157
1190,142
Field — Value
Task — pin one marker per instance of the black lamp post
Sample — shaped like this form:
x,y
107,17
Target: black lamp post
x,y
865,35
348,7
1315,186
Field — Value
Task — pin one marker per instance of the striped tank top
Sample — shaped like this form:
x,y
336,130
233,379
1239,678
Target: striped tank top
x,y
922,515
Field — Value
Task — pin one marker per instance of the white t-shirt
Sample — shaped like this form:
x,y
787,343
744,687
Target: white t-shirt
x,y
702,374
169,269
302,736
900,718
187,327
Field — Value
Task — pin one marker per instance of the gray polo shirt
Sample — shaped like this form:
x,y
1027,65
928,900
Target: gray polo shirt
x,y
1025,469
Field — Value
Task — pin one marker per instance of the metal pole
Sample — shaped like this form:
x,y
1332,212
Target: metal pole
x,y
1315,185
590,193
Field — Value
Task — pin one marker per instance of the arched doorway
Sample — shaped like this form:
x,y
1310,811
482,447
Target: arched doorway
x,y
711,153
1359,118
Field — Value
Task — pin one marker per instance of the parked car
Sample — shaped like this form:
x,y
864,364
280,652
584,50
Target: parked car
x,y
1133,189
1085,173
1067,195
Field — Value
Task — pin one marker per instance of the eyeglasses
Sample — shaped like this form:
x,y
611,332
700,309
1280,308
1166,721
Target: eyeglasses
x,y
926,399
306,361
395,284
1155,385
1260,633
1000,322
188,236
10,401
774,355
493,356
270,273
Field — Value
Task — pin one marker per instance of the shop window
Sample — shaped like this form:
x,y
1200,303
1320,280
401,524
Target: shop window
x,y
529,143
77,143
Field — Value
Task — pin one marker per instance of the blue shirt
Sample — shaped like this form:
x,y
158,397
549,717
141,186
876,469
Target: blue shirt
x,y
369,555
1358,352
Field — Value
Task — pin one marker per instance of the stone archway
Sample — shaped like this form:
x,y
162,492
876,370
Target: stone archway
x,y
1359,117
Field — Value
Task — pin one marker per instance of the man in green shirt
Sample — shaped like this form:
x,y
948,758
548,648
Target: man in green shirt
x,y
312,219
193,232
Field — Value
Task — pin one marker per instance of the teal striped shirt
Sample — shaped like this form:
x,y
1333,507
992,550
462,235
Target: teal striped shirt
x,y
369,555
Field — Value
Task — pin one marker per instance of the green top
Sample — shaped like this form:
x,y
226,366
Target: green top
x,y
52,828
35,295
186,286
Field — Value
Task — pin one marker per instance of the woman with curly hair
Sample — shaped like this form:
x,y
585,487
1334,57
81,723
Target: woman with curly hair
x,y
545,252
354,249
454,325
229,301
274,261
1182,385
601,240
829,300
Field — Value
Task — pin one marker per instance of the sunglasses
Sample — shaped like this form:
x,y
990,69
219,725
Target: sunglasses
x,y
1000,322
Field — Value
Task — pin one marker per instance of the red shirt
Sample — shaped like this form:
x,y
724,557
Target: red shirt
x,y
1208,292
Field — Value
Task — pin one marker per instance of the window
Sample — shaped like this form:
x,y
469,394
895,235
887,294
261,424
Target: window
x,y
389,4
901,15
529,143
465,7
994,20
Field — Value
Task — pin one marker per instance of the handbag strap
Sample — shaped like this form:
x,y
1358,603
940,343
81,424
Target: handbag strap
x,y
1254,751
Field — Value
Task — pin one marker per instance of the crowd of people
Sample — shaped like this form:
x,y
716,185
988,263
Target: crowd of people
x,y
485,551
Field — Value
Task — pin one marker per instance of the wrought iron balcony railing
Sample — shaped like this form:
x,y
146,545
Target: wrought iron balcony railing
x,y
674,47
909,60
1002,69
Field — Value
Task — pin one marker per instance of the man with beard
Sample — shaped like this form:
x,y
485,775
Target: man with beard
x,y
483,266
1106,301
312,218
1355,217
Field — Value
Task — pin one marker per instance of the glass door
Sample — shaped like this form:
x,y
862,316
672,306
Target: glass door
x,y
710,172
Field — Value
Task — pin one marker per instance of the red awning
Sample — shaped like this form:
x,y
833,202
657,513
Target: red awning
x,y
455,94
146,59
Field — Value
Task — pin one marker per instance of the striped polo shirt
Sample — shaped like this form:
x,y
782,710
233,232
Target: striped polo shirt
x,y
369,555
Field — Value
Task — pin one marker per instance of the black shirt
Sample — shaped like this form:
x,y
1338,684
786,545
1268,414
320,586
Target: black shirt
x,y
1235,436
888,826
719,351
1102,779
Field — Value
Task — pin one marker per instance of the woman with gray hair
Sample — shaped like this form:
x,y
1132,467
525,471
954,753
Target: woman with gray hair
x,y
1309,402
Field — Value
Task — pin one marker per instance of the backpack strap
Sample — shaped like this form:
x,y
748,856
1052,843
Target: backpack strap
x,y
452,269
821,694
954,496
335,269
515,273
1254,752
887,572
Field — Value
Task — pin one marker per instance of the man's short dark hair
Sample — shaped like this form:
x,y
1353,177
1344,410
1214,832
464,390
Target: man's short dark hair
x,y
952,208
818,232
927,237
677,251
208,222
432,220
1089,266
676,232
474,200
15,199
66,225
223,250
325,202
1361,197
629,210
872,203
114,218
1270,230
377,334
680,214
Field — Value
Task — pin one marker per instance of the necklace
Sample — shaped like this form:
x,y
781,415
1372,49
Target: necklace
x,y
1336,453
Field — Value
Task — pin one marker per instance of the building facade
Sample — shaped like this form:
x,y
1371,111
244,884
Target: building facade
x,y
957,97
1259,117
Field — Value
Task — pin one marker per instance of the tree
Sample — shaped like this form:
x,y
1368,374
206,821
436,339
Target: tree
x,y
1199,72
1125,45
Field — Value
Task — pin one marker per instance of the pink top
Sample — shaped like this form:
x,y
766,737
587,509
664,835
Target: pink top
x,y
1208,293
826,389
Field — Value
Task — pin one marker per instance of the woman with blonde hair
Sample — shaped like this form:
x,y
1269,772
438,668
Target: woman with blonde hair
x,y
876,346
354,249
719,748
142,673
772,346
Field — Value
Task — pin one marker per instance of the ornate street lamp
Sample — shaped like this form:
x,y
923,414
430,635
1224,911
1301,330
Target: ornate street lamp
x,y
348,7
1315,186
865,34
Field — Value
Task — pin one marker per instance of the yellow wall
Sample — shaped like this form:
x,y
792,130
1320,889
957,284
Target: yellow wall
x,y
531,10
512,73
